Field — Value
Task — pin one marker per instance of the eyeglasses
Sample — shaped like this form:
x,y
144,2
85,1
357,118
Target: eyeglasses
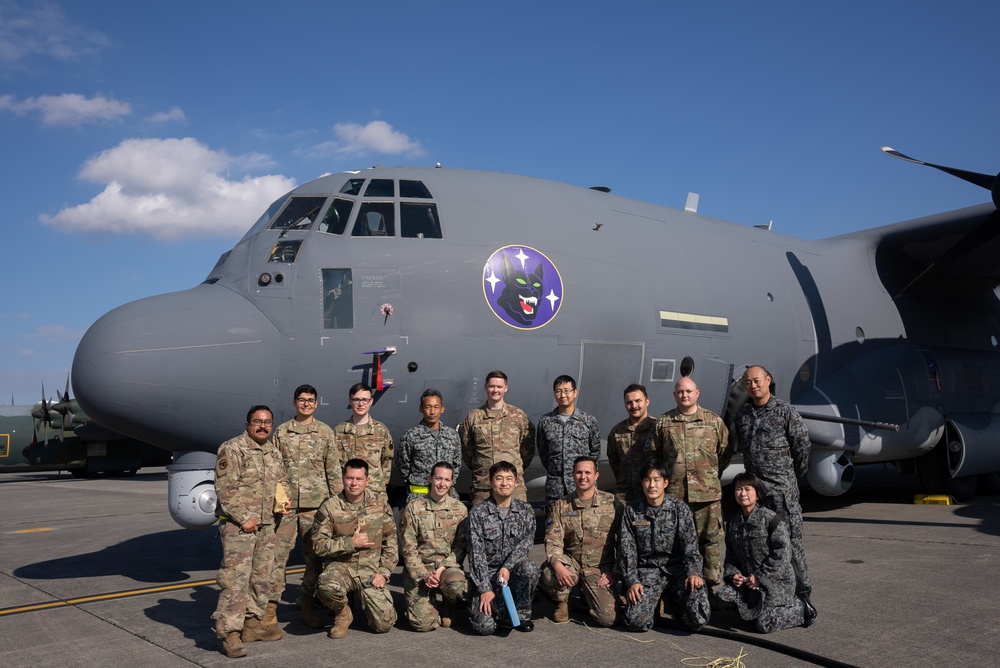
x,y
307,402
560,393
360,401
258,423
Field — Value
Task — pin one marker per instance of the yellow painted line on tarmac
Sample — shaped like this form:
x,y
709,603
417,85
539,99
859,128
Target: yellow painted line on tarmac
x,y
114,595
38,530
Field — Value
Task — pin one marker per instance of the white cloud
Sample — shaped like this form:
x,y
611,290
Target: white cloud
x,y
172,115
26,354
55,334
68,108
41,29
360,140
170,189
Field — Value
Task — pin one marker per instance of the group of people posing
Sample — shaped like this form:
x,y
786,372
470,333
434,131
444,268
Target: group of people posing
x,y
658,537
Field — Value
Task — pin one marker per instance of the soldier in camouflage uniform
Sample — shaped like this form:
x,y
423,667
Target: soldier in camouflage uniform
x,y
659,557
694,443
355,535
364,437
581,545
433,543
496,432
311,464
630,443
759,575
426,444
775,445
501,533
563,435
248,470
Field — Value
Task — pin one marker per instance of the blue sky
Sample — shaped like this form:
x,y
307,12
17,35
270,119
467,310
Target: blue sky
x,y
141,139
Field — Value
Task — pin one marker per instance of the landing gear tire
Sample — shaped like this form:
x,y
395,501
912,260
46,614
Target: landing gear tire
x,y
989,484
933,471
78,473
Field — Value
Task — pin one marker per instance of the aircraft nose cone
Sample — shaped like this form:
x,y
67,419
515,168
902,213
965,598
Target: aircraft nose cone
x,y
179,370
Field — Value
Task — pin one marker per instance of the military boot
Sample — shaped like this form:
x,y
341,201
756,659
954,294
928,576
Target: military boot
x,y
254,630
561,615
232,645
447,613
310,615
343,621
269,625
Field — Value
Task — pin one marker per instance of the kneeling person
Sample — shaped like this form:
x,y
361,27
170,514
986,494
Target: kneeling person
x,y
759,572
581,544
355,535
659,556
501,533
433,544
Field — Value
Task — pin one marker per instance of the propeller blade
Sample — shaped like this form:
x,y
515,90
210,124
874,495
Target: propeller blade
x,y
981,180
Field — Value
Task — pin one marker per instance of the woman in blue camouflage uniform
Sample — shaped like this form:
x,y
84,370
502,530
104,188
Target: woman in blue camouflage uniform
x,y
758,575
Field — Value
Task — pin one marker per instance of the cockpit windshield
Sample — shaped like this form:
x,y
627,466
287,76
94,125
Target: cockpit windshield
x,y
300,213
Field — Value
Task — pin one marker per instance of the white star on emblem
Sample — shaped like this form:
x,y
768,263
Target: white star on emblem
x,y
552,299
492,280
521,256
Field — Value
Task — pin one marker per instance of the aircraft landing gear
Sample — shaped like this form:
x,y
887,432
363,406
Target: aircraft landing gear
x,y
934,469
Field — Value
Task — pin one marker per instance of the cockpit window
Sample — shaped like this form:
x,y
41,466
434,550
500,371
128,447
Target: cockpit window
x,y
375,219
263,220
338,299
335,220
414,189
352,187
380,188
285,251
419,221
300,213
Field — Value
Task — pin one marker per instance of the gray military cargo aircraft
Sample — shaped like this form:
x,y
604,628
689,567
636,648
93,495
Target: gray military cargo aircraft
x,y
411,278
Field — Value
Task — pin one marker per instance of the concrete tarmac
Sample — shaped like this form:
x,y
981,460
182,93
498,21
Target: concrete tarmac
x,y
95,573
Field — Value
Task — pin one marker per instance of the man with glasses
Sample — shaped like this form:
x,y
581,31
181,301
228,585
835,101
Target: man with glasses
x,y
694,444
364,437
311,464
563,435
248,471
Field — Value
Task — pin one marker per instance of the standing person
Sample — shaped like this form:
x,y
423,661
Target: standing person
x,y
432,531
496,432
501,533
312,467
759,576
775,445
694,443
659,556
364,437
581,545
355,535
248,470
563,435
426,444
630,443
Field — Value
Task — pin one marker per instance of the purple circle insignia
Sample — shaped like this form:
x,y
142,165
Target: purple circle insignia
x,y
522,286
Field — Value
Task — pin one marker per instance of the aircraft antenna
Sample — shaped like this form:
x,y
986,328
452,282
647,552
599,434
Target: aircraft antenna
x,y
692,202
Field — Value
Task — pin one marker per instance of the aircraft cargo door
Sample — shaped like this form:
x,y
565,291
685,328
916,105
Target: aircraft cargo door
x,y
606,369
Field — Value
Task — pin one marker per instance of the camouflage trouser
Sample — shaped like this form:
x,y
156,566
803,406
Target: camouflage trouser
x,y
690,607
420,610
480,495
602,602
708,524
244,576
290,526
772,618
338,580
788,502
523,581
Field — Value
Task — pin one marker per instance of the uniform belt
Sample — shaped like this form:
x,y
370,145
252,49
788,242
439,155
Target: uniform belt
x,y
419,489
